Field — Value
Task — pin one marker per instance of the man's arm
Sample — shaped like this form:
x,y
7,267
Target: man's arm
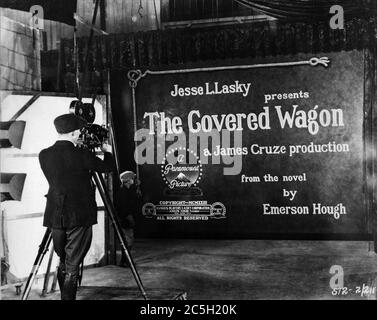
x,y
42,161
92,162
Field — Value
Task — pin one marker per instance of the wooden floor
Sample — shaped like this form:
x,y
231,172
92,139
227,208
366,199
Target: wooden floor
x,y
232,269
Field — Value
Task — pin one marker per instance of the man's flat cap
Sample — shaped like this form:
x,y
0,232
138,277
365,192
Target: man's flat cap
x,y
68,123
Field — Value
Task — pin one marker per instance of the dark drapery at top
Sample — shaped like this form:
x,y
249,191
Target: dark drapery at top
x,y
56,10
161,49
303,10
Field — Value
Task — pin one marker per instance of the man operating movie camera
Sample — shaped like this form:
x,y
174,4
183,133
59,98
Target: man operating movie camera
x,y
71,208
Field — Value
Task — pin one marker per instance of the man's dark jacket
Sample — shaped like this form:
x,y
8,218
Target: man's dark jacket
x,y
71,195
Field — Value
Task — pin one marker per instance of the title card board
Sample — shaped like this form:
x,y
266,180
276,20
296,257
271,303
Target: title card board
x,y
276,147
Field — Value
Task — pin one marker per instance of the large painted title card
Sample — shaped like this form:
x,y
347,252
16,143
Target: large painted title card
x,y
260,148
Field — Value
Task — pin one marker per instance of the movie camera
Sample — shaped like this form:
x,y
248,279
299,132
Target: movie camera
x,y
92,135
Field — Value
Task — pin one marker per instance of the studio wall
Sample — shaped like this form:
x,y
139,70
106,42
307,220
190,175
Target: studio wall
x,y
24,218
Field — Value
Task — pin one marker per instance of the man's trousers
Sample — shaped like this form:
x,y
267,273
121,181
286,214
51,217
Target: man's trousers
x,y
71,245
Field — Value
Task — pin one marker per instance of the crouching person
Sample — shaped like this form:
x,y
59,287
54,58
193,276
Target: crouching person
x,y
126,202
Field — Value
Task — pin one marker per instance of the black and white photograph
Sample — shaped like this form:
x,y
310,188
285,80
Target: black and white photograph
x,y
188,155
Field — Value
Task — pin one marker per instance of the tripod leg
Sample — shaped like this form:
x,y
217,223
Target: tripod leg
x,y
47,275
54,281
80,274
43,248
98,179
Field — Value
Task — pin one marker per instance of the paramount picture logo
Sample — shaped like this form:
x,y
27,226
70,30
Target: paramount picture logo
x,y
181,168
